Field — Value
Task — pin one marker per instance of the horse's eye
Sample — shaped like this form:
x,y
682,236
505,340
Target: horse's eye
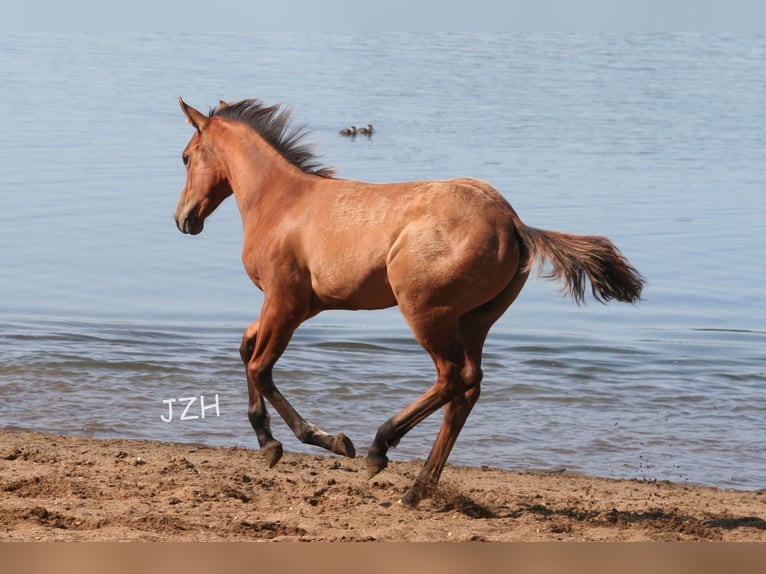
x,y
185,159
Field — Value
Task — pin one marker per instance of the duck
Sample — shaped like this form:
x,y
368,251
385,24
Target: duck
x,y
366,130
348,131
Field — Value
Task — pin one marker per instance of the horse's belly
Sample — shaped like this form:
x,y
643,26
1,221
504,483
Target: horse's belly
x,y
341,285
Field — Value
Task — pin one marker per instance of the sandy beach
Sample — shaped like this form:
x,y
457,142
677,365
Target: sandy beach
x,y
55,488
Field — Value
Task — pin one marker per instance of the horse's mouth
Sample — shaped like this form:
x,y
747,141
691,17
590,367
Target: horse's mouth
x,y
190,224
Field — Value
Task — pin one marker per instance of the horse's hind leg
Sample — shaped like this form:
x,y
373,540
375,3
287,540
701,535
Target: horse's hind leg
x,y
455,415
456,347
268,338
473,329
457,386
472,334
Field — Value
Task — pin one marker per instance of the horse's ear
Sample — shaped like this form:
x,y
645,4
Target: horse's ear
x,y
222,105
194,117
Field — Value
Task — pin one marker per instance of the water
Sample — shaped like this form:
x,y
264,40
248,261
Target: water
x,y
657,141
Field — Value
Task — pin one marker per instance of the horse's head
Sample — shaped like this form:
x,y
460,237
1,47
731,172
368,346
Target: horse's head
x,y
206,182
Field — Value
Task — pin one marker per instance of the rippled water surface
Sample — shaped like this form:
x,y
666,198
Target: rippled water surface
x,y
107,313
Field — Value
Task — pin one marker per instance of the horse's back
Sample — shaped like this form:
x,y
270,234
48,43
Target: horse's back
x,y
367,245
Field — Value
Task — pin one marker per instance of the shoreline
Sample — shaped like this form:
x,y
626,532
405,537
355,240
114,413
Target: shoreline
x,y
73,488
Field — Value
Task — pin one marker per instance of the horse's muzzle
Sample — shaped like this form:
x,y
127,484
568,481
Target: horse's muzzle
x,y
189,223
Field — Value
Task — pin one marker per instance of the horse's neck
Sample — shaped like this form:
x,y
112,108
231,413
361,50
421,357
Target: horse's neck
x,y
259,177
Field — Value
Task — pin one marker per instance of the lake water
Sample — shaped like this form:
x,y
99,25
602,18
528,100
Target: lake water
x,y
657,141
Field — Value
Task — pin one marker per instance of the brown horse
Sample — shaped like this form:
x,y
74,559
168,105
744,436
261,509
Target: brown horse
x,y
453,255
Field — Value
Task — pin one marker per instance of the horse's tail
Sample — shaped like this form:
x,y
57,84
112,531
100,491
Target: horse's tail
x,y
572,258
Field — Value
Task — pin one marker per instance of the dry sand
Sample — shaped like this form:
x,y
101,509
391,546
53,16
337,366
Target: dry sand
x,y
75,488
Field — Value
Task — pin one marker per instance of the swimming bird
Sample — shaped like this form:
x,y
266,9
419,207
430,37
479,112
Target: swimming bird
x,y
367,130
348,131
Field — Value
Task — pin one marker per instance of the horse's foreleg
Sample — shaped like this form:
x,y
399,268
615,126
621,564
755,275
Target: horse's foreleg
x,y
305,431
273,335
256,411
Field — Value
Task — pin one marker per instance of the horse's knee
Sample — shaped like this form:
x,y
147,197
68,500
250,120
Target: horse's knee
x,y
247,347
259,375
246,350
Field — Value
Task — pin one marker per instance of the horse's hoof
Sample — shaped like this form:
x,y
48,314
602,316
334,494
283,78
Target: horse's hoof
x,y
341,444
272,452
375,464
412,497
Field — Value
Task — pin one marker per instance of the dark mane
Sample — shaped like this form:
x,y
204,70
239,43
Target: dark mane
x,y
273,125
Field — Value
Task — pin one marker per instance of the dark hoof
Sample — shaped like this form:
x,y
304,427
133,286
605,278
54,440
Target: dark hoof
x,y
341,444
375,464
272,452
412,497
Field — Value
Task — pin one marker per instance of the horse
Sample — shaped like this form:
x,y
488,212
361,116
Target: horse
x,y
451,254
